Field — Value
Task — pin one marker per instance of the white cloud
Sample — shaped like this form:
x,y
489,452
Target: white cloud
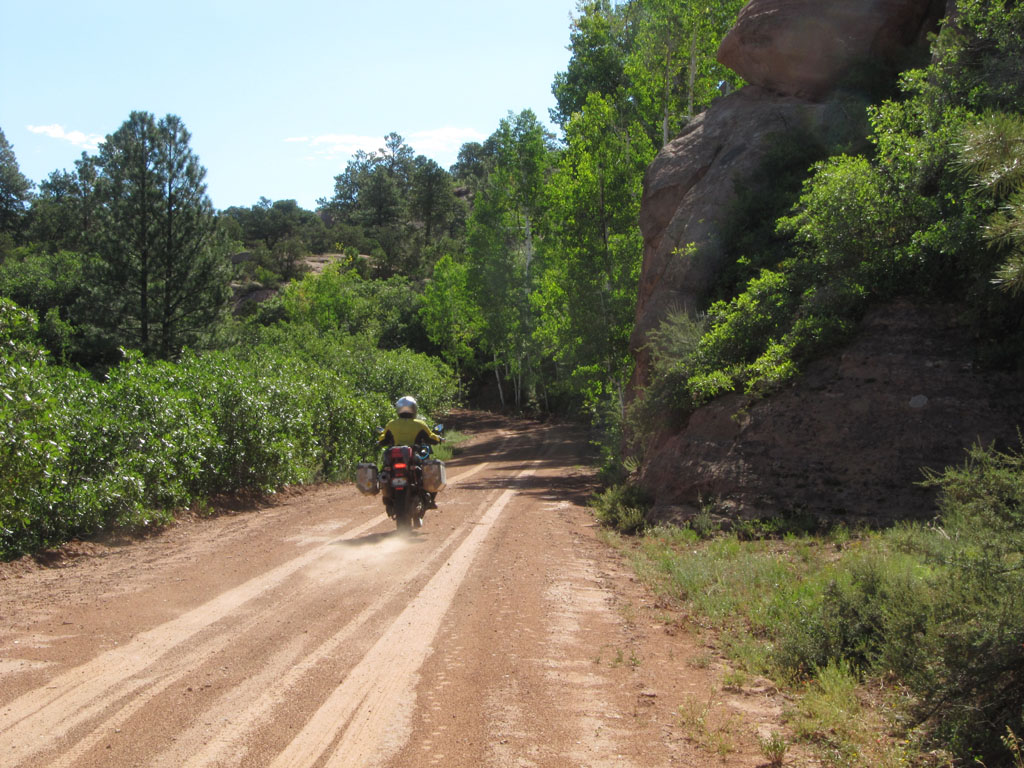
x,y
82,140
339,144
441,144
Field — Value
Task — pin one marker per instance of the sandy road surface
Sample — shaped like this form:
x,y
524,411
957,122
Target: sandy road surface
x,y
308,633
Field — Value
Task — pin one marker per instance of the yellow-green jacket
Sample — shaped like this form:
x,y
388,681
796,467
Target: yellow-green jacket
x,y
407,431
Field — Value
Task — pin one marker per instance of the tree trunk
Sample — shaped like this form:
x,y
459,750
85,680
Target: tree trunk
x,y
666,96
497,376
692,79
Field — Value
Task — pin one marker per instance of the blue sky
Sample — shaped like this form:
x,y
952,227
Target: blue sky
x,y
276,95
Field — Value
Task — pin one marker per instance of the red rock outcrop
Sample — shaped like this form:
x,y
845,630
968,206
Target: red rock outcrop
x,y
784,44
804,47
687,190
849,439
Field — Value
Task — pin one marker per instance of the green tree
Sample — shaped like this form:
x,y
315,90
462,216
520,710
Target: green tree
x,y
992,150
598,40
451,316
269,223
373,195
432,200
347,185
671,64
399,159
160,281
977,57
63,214
15,193
502,246
473,164
594,250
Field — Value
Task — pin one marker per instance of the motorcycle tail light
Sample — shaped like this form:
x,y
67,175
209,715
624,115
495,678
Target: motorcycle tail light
x,y
400,466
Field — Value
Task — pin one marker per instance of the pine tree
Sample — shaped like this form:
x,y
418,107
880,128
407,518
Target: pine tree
x,y
160,283
15,191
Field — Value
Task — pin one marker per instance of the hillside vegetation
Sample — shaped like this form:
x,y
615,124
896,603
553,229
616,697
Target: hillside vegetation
x,y
900,647
914,633
291,406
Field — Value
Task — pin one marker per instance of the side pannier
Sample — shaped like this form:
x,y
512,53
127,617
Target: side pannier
x,y
366,478
434,479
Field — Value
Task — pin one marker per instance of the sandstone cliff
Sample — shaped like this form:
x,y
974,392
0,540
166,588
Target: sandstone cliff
x,y
805,48
851,436
795,54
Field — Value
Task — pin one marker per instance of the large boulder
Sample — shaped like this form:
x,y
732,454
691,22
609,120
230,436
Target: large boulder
x,y
850,437
795,52
688,190
804,48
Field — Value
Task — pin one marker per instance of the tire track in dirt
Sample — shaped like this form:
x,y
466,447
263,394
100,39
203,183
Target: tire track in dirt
x,y
380,689
134,674
80,694
250,705
301,634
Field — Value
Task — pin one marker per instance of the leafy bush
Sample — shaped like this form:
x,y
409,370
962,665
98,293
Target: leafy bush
x,y
53,286
854,613
622,508
80,456
973,686
28,448
340,299
749,233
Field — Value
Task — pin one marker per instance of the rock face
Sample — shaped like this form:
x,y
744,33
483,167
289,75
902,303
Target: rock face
x,y
803,48
687,190
784,45
849,439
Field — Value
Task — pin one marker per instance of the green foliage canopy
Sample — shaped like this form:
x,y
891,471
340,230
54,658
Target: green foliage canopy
x,y
594,249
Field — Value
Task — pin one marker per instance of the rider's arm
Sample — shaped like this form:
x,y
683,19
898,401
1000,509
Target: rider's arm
x,y
426,436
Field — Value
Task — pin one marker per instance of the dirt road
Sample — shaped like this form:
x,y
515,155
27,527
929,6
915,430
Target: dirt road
x,y
308,633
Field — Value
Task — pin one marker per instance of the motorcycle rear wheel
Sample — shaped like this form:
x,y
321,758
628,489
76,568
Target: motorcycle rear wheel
x,y
405,512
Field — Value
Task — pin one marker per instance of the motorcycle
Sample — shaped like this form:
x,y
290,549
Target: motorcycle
x,y
408,479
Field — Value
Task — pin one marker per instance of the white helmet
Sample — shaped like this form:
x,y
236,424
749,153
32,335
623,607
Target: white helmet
x,y
407,405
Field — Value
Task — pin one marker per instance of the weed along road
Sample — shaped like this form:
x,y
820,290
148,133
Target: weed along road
x,y
307,632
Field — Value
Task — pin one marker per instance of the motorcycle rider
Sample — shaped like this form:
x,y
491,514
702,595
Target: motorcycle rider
x,y
407,429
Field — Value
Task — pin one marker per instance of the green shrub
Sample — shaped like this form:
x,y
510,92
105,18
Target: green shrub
x,y
294,406
973,686
622,508
29,447
340,299
866,612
